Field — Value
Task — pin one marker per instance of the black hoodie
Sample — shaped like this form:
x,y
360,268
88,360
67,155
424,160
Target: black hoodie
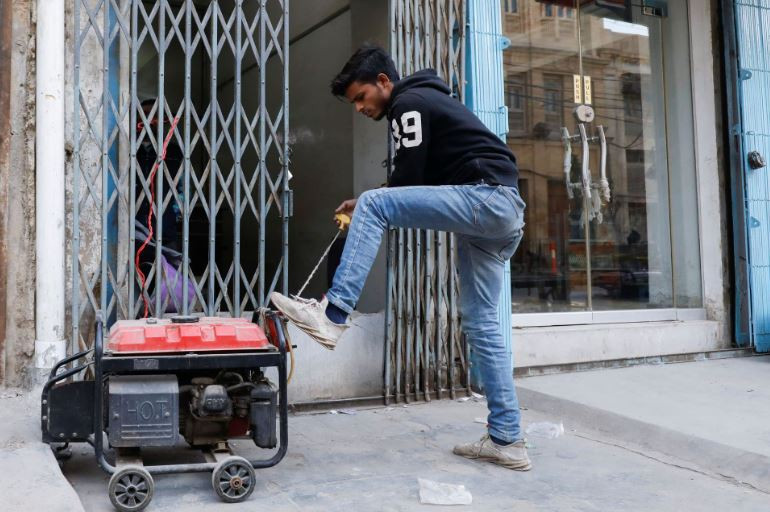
x,y
438,141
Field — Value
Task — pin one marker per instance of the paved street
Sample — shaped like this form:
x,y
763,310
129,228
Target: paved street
x,y
649,438
371,461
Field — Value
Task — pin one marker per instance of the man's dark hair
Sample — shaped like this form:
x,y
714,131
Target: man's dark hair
x,y
364,66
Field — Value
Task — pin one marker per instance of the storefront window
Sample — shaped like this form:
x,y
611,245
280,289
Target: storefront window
x,y
614,245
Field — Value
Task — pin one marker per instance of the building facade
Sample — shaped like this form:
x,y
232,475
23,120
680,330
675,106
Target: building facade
x,y
613,109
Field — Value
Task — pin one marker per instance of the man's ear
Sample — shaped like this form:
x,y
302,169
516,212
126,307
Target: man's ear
x,y
383,80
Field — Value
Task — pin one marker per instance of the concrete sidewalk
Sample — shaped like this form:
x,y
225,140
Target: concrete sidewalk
x,y
30,478
712,415
370,461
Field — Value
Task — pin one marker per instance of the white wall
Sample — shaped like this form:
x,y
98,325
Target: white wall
x,y
305,14
354,369
548,346
322,148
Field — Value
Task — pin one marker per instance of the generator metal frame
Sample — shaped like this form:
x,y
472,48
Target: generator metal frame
x,y
106,365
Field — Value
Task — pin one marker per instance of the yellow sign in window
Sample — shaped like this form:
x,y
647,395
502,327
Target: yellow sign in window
x,y
578,89
587,90
582,89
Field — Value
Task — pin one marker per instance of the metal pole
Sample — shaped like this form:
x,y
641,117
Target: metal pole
x,y
50,344
440,277
429,331
399,313
263,56
237,108
213,169
186,208
286,155
409,323
418,312
452,315
75,311
389,324
161,102
132,165
104,293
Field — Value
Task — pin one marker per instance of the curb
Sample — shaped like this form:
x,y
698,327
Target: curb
x,y
705,456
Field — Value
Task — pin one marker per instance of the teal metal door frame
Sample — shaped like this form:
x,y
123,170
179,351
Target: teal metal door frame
x,y
747,64
741,310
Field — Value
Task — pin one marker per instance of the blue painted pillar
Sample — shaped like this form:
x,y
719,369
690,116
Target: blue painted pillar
x,y
751,22
485,96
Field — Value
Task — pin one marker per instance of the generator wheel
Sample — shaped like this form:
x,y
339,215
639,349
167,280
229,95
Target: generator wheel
x,y
131,489
233,479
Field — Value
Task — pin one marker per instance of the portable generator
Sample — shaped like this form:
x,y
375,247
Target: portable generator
x,y
160,381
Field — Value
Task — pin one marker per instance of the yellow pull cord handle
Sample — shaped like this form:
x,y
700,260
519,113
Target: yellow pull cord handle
x,y
343,220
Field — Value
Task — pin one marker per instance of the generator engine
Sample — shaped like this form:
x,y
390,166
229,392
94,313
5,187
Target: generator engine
x,y
149,410
212,410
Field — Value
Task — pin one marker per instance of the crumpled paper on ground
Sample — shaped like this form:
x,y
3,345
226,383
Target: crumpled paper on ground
x,y
437,493
545,429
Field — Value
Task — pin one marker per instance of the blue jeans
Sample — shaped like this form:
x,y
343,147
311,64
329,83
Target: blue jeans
x,y
488,221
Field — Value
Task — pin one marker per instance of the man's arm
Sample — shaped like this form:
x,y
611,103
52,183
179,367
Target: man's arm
x,y
410,127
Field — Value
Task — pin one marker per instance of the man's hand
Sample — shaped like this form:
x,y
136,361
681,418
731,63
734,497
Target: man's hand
x,y
347,207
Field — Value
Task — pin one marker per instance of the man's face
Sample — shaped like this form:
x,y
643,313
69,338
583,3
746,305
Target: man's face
x,y
370,100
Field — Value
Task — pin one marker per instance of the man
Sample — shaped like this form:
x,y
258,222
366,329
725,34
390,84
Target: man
x,y
451,174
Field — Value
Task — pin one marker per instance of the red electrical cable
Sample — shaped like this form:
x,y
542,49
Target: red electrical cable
x,y
162,157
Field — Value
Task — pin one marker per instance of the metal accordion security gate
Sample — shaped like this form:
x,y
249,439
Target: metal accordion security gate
x,y
426,355
179,158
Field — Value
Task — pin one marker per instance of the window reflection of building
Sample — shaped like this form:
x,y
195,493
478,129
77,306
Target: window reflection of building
x,y
553,104
550,268
517,101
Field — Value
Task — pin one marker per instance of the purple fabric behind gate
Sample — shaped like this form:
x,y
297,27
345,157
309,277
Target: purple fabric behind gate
x,y
172,287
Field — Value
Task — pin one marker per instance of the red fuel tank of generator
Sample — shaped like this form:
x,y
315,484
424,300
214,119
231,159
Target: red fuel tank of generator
x,y
185,334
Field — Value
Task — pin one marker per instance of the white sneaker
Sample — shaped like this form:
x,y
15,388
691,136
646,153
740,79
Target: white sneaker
x,y
310,316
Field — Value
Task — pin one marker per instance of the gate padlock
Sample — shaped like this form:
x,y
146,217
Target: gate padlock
x,y
756,160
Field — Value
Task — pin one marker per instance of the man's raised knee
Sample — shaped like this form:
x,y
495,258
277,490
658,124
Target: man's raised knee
x,y
368,202
367,197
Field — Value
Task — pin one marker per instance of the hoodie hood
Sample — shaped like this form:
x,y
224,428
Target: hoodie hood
x,y
424,78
